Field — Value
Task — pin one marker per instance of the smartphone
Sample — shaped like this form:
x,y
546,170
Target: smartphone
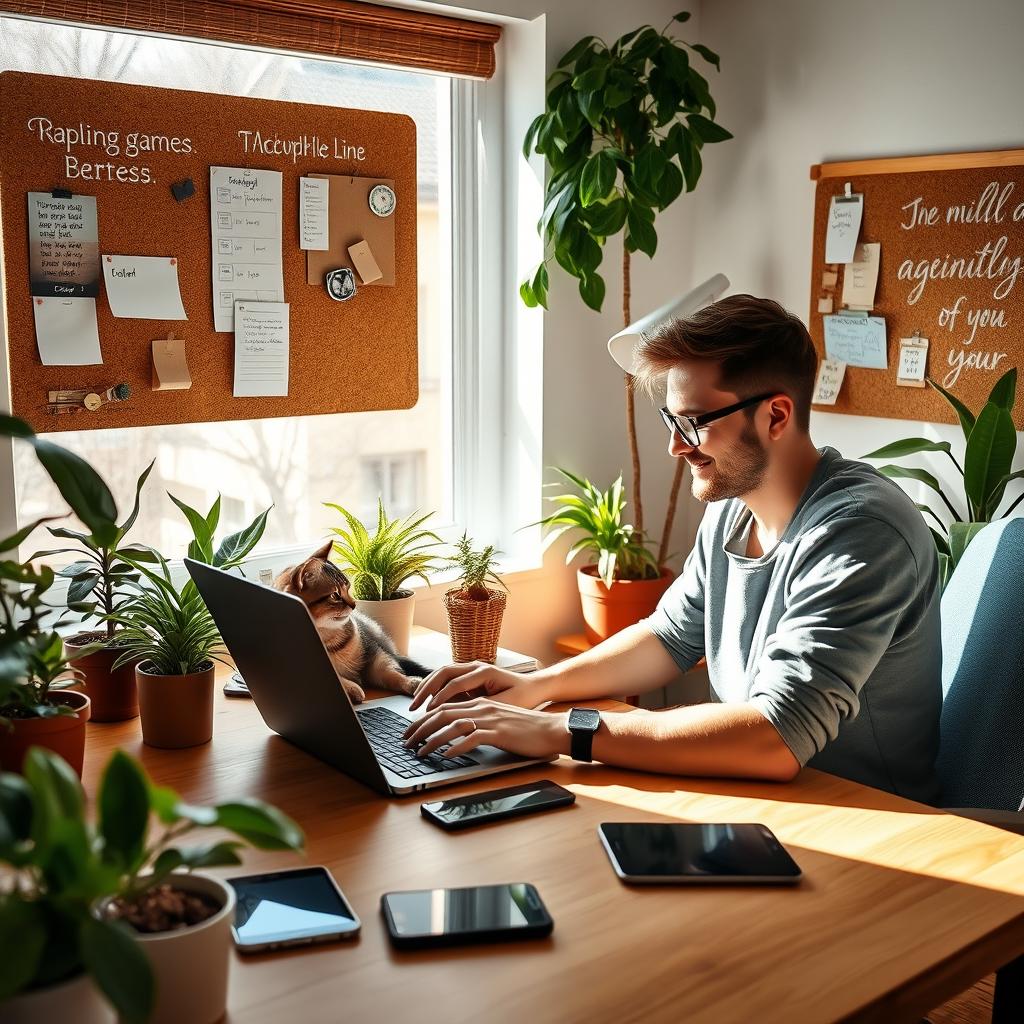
x,y
654,852
236,687
427,918
495,804
290,908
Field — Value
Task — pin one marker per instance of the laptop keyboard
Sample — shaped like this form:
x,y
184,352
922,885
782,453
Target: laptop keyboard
x,y
384,730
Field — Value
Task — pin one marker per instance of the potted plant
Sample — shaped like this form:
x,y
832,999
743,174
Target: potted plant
x,y
474,609
625,584
622,132
378,565
112,903
990,440
98,585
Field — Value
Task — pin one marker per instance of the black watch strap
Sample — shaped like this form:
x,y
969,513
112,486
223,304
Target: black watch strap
x,y
583,723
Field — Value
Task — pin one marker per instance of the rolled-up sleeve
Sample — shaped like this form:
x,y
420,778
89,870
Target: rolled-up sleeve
x,y
678,621
852,583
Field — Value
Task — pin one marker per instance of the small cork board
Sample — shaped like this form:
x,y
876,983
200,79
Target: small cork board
x,y
951,230
344,356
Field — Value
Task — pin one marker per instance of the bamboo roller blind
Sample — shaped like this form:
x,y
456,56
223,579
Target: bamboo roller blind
x,y
332,28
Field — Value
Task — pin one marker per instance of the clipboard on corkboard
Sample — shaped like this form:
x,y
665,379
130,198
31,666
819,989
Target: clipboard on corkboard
x,y
126,145
951,270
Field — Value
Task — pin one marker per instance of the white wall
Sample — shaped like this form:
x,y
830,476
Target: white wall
x,y
807,81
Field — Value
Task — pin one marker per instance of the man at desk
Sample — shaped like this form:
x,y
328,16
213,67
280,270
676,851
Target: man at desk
x,y
812,590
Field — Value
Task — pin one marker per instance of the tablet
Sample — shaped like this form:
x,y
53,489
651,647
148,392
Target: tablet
x,y
654,852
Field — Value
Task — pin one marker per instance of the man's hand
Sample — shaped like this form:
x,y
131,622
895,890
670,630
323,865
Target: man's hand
x,y
476,679
469,724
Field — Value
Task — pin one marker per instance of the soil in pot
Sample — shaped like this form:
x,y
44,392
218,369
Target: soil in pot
x,y
113,691
63,734
163,909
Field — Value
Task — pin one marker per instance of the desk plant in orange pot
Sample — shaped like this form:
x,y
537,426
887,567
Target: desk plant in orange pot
x,y
474,609
625,584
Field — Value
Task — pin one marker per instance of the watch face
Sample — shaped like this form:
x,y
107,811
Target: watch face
x,y
382,200
586,719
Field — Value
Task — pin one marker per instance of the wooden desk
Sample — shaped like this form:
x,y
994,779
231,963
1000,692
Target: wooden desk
x,y
901,906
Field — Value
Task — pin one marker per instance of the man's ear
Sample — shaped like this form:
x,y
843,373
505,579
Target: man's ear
x,y
780,411
324,553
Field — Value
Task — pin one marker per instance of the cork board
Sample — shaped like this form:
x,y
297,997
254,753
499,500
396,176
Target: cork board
x,y
951,230
344,356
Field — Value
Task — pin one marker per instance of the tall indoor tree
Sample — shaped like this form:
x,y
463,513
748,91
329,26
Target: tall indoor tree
x,y
622,132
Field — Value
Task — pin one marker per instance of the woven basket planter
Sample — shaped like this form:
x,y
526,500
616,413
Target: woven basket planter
x,y
474,626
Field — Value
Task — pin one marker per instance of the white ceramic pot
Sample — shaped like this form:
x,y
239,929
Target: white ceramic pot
x,y
394,617
190,966
78,1000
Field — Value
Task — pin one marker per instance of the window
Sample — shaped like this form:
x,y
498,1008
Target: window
x,y
293,464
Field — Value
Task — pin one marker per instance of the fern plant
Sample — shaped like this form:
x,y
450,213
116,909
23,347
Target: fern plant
x,y
476,569
621,550
378,564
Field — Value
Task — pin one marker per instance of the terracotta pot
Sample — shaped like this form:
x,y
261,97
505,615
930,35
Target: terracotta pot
x,y
474,626
608,610
394,617
190,965
114,695
177,711
77,1000
63,734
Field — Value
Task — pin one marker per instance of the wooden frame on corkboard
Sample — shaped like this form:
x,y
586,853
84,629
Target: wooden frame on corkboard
x,y
928,213
344,356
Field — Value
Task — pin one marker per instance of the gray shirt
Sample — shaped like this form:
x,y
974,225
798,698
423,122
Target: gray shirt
x,y
833,634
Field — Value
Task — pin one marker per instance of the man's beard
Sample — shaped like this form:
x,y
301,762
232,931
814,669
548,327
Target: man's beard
x,y
745,462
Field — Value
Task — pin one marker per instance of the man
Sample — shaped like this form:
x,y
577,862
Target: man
x,y
812,590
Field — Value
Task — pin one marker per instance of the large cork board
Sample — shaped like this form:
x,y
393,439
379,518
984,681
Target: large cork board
x,y
344,356
927,213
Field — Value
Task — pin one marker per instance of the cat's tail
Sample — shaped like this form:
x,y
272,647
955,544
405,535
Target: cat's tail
x,y
411,667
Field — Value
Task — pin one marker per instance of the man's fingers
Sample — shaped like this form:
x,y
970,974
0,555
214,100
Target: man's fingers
x,y
458,729
464,744
425,727
459,687
436,680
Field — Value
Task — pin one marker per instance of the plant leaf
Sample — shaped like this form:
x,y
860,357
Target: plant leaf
x,y
22,938
124,811
119,966
1004,392
598,177
592,289
234,548
82,488
964,414
990,450
909,446
960,535
260,824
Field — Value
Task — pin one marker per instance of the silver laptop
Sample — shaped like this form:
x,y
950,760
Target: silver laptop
x,y
274,643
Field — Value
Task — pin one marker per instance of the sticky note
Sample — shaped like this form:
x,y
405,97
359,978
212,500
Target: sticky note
x,y
170,366
830,379
365,264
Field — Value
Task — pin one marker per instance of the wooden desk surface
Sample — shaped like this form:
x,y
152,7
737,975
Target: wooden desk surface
x,y
900,908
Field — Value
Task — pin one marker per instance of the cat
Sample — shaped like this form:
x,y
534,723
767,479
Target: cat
x,y
361,652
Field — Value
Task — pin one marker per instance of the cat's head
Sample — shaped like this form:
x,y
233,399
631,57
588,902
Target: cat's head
x,y
320,583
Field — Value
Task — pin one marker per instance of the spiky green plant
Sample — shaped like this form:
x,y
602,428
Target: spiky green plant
x,y
476,568
378,565
621,550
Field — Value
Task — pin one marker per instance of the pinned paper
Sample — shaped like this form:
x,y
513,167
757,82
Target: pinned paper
x,y
170,366
261,349
313,204
856,340
63,252
860,278
143,287
830,379
844,217
829,279
913,362
66,332
365,264
825,304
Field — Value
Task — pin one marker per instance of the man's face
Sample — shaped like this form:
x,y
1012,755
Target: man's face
x,y
731,460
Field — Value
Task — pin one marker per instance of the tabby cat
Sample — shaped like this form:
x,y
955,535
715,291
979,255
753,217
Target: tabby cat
x,y
361,652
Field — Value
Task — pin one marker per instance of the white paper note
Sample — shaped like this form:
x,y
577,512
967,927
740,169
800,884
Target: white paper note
x,y
261,349
830,379
143,287
913,362
844,216
245,232
313,196
860,277
66,331
856,340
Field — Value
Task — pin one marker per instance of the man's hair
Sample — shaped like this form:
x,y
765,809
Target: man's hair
x,y
759,346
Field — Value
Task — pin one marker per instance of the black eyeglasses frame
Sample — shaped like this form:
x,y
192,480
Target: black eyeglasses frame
x,y
678,424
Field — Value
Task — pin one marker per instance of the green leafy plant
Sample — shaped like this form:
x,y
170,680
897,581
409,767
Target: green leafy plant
x,y
622,132
378,564
621,552
60,865
476,568
990,445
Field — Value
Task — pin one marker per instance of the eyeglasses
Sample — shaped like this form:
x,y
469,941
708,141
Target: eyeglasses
x,y
687,427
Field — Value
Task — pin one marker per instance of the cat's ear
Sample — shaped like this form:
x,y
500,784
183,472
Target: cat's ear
x,y
324,553
290,581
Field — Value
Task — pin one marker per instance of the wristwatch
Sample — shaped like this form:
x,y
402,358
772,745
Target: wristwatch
x,y
583,723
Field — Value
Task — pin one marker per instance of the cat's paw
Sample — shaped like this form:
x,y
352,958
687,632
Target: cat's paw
x,y
354,691
412,684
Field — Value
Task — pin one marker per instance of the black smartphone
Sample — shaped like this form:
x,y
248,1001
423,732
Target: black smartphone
x,y
464,811
687,852
425,918
235,687
290,908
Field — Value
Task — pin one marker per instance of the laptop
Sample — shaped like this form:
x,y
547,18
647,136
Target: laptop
x,y
274,643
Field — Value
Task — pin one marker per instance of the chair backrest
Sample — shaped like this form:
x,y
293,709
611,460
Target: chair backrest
x,y
981,746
